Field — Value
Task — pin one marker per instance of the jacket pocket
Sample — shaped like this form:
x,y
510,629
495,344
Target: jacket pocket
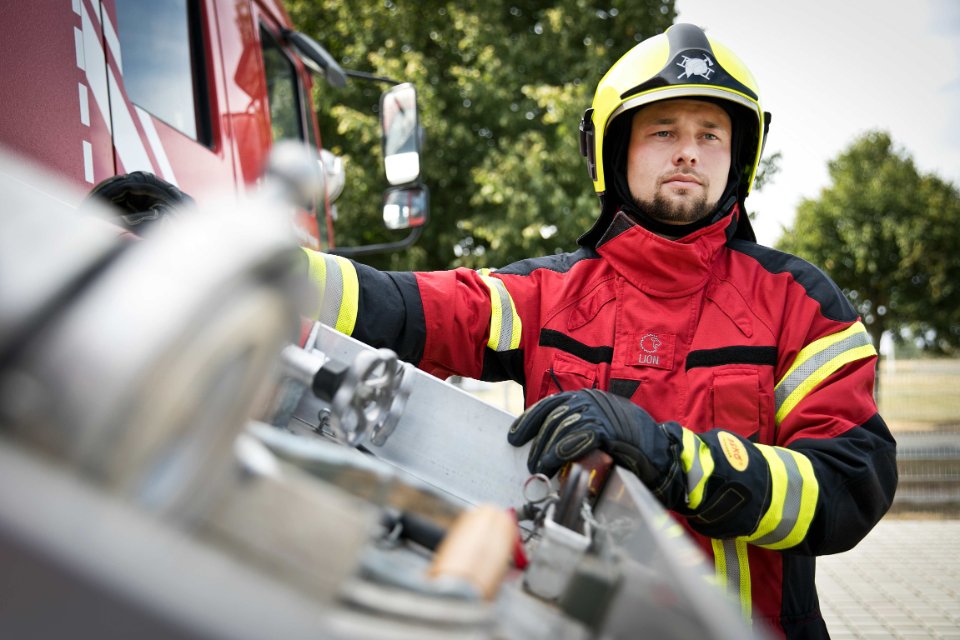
x,y
567,373
736,402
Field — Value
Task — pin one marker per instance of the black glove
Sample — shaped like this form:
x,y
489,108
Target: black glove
x,y
141,197
566,426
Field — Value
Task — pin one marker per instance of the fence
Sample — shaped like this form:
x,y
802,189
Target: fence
x,y
920,400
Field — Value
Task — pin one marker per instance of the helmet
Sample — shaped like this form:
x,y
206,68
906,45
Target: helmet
x,y
680,63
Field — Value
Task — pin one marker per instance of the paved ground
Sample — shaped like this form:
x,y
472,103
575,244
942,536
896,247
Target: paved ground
x,y
902,581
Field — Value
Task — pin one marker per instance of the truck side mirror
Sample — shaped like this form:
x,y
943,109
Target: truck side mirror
x,y
406,207
316,58
403,208
334,175
400,125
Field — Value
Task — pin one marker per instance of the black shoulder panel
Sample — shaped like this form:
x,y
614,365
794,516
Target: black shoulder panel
x,y
818,285
560,262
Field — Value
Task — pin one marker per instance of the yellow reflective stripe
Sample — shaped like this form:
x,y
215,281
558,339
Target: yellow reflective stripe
x,y
505,327
794,492
697,465
317,272
350,303
733,570
817,361
778,489
336,278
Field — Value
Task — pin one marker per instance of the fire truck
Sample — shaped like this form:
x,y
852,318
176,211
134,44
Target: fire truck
x,y
177,460
194,92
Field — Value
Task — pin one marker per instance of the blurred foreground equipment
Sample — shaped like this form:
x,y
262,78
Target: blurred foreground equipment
x,y
176,463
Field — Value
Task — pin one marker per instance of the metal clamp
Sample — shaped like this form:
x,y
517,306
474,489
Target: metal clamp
x,y
371,398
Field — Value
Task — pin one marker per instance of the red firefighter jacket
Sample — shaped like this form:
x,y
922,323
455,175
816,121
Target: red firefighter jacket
x,y
710,331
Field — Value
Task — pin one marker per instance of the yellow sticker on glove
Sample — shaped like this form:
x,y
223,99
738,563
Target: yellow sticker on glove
x,y
734,450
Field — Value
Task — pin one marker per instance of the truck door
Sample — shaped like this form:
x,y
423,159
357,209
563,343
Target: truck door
x,y
287,86
165,92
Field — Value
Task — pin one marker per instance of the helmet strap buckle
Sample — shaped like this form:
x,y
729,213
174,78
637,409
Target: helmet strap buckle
x,y
587,142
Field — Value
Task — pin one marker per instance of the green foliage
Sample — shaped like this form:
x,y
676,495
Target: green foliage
x,y
766,174
501,88
768,170
888,235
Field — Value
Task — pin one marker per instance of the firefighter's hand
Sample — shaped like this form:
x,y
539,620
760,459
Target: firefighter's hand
x,y
141,197
566,426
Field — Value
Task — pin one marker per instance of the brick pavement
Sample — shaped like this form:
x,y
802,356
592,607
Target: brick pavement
x,y
902,581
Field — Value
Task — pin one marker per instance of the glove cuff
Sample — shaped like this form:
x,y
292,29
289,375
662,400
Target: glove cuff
x,y
727,483
669,485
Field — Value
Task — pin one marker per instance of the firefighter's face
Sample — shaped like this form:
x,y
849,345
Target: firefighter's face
x,y
679,159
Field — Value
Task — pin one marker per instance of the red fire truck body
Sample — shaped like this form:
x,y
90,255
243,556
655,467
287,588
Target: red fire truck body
x,y
193,91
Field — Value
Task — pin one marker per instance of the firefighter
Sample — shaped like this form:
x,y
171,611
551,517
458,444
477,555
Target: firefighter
x,y
735,380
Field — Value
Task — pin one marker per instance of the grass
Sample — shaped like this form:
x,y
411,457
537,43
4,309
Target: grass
x,y
920,394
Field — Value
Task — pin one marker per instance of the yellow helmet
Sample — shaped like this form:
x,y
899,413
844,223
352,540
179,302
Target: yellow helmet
x,y
683,62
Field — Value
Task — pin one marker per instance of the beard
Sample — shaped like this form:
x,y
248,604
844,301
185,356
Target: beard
x,y
675,212
672,212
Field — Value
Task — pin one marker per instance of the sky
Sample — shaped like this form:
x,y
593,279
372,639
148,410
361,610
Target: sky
x,y
831,70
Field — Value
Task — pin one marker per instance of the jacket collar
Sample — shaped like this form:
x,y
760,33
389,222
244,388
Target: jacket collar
x,y
661,266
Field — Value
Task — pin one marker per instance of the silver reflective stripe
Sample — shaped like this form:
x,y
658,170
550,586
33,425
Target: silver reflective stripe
x,y
808,368
696,468
733,568
791,501
506,315
332,293
732,562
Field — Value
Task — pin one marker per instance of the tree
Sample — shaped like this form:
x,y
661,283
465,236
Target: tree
x,y
888,236
502,85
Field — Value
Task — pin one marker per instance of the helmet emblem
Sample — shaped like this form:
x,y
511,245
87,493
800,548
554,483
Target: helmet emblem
x,y
696,67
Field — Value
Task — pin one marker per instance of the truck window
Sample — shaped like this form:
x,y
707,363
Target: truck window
x,y
283,90
162,61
